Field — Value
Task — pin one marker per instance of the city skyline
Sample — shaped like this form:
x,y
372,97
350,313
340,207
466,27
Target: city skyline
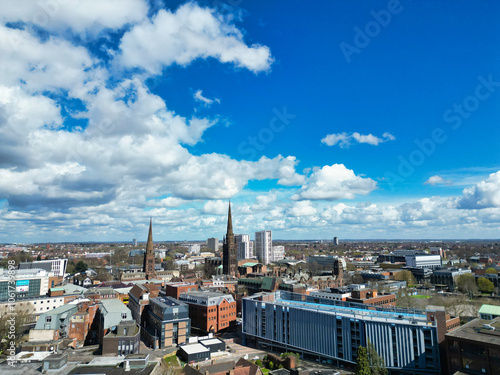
x,y
367,120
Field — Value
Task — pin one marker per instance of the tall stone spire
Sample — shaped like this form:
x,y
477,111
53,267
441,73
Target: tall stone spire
x,y
229,264
149,245
229,222
149,255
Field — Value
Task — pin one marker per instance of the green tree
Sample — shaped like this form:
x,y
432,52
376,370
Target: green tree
x,y
491,270
362,362
377,363
485,285
407,276
466,283
81,266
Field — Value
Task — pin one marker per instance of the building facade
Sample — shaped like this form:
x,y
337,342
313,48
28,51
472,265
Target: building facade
x,y
423,261
278,253
447,278
166,322
28,283
244,247
210,311
56,266
474,348
213,244
407,340
264,246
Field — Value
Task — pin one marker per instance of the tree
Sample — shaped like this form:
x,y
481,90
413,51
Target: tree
x,y
362,362
466,283
81,266
20,318
491,270
485,285
377,363
407,276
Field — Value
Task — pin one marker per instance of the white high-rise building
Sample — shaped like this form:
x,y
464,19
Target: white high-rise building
x,y
278,253
244,247
264,246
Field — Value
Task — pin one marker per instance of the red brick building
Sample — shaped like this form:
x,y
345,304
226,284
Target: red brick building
x,y
210,311
371,297
176,289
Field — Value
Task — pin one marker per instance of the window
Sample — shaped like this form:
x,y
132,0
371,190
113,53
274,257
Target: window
x,y
48,319
124,315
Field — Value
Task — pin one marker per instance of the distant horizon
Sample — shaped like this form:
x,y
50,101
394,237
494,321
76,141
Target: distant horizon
x,y
274,240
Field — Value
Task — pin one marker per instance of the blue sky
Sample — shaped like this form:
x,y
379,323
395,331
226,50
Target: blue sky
x,y
368,119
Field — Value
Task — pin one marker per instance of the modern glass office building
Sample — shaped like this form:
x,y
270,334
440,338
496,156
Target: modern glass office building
x,y
330,330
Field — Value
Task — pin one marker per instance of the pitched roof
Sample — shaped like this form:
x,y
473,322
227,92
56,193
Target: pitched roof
x,y
490,309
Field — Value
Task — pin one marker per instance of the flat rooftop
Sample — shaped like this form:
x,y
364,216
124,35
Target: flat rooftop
x,y
475,330
194,348
350,309
211,341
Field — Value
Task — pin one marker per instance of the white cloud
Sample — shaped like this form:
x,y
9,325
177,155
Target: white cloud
x,y
344,140
302,208
200,98
437,180
217,207
333,183
190,33
54,64
485,194
81,16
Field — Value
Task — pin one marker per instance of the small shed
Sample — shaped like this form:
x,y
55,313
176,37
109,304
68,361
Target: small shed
x,y
193,353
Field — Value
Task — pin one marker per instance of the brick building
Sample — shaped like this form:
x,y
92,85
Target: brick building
x,y
139,297
210,311
81,321
176,289
372,297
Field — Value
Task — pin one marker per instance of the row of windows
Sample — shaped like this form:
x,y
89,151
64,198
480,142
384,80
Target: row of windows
x,y
55,301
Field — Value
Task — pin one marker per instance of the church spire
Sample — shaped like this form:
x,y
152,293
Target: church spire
x,y
229,222
149,256
149,245
229,263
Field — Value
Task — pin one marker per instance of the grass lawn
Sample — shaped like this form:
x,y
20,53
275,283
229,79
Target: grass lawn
x,y
171,361
265,371
420,296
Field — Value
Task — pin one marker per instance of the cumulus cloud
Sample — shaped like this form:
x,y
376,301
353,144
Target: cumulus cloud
x,y
345,140
334,182
80,16
189,33
217,207
302,208
200,98
437,180
485,194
